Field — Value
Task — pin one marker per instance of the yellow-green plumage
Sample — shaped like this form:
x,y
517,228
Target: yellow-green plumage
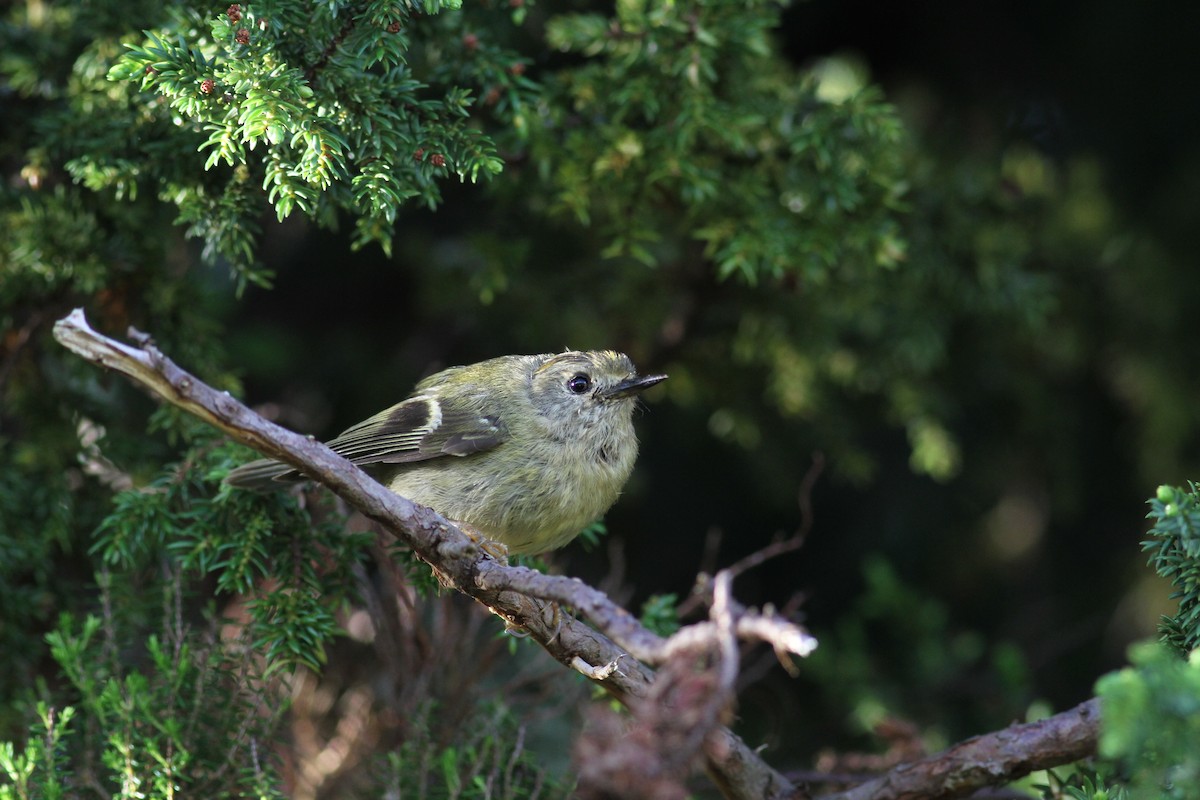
x,y
526,449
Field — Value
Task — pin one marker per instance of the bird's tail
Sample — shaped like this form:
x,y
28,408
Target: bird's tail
x,y
262,475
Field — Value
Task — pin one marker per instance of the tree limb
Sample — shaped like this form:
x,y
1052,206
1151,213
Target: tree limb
x,y
459,563
988,760
617,660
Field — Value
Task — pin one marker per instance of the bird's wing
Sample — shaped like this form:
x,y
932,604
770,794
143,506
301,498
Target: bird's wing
x,y
418,429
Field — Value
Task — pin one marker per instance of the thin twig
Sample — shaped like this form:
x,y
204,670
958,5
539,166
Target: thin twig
x,y
311,73
796,540
780,546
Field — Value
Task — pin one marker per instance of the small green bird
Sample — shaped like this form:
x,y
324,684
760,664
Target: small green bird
x,y
527,450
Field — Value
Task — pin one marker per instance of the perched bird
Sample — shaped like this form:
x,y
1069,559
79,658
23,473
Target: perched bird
x,y
527,450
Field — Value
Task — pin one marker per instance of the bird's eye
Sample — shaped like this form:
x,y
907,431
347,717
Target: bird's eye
x,y
579,383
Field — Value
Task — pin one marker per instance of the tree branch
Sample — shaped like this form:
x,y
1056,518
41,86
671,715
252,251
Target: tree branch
x,y
988,760
459,563
618,657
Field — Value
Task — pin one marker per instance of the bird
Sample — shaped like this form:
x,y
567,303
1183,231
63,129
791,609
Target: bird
x,y
527,450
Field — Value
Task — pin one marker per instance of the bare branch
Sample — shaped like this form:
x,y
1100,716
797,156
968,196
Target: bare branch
x,y
652,755
513,592
778,547
796,540
459,563
989,760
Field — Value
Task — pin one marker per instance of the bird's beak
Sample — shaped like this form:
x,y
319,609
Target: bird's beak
x,y
631,386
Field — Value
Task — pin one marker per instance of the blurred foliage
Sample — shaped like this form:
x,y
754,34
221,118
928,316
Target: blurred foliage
x,y
967,316
1151,714
1084,785
660,614
40,768
897,655
488,762
1151,709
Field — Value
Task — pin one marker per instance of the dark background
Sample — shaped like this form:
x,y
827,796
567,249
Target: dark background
x,y
1112,79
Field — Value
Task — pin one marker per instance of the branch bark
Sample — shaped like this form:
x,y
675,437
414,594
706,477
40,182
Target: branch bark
x,y
988,760
510,592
